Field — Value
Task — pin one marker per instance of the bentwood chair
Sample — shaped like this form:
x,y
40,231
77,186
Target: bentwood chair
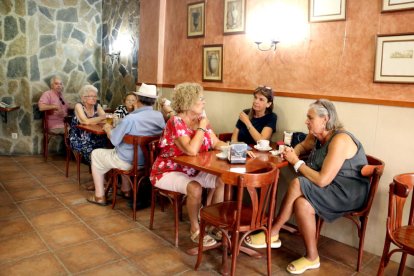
x,y
401,236
177,199
225,136
137,173
76,154
235,218
47,134
374,171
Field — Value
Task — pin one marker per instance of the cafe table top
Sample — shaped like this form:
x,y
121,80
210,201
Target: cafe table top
x,y
210,163
95,129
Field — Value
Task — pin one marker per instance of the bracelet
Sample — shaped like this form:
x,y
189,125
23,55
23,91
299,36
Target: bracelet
x,y
202,129
249,127
298,164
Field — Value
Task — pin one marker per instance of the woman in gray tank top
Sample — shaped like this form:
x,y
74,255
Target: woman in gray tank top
x,y
329,183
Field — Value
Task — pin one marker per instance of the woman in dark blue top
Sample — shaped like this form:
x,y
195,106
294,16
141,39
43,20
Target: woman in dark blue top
x,y
258,122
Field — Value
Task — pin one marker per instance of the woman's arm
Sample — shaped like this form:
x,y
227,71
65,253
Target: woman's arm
x,y
305,146
216,142
192,146
342,147
80,114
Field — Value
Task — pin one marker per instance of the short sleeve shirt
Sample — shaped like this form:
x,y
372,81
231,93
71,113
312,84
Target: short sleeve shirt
x,y
50,97
175,128
268,120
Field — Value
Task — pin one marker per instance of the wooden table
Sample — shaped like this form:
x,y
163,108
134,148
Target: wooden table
x,y
210,163
5,110
95,129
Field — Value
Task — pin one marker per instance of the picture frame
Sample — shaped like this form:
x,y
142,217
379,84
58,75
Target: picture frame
x,y
212,63
234,16
327,10
195,19
394,58
397,5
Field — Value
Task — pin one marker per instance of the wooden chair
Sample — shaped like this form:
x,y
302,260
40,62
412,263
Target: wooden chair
x,y
137,173
237,217
402,236
176,198
76,154
225,136
374,171
47,133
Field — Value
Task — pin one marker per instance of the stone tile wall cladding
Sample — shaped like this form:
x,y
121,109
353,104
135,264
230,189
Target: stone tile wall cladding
x,y
41,38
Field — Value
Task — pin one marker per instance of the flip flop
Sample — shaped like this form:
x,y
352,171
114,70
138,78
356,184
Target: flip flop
x,y
97,200
215,233
259,241
303,264
207,240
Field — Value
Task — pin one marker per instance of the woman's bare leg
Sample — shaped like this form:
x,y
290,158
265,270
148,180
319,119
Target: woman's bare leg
x,y
218,191
293,193
305,218
194,192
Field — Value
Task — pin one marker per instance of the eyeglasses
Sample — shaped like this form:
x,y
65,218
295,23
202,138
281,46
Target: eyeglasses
x,y
262,88
94,97
202,98
62,101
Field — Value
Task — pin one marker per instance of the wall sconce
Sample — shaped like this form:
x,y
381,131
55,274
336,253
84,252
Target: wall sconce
x,y
114,56
262,45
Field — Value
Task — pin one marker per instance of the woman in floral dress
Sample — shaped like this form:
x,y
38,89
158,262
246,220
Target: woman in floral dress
x,y
188,133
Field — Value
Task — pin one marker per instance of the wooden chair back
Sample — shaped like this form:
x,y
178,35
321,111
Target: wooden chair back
x,y
397,233
46,133
374,170
225,136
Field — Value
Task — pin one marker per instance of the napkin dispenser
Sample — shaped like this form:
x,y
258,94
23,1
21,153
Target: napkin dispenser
x,y
237,153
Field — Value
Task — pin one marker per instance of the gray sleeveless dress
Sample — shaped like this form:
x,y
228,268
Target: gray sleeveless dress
x,y
348,190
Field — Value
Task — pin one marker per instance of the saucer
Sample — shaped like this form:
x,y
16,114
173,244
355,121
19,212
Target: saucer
x,y
275,152
262,149
221,155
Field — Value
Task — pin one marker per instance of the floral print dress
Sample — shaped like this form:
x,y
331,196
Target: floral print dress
x,y
175,128
83,141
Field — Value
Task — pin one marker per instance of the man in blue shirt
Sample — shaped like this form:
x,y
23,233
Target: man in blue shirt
x,y
143,121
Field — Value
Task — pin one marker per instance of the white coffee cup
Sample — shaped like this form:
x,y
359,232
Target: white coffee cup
x,y
281,148
104,106
263,144
225,150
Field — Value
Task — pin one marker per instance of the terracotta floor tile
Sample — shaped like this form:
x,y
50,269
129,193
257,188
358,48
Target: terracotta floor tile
x,y
44,264
166,262
123,268
35,206
135,242
112,224
75,198
90,210
21,246
10,176
51,218
5,199
14,226
29,194
86,256
9,211
371,268
21,184
55,179
65,235
64,188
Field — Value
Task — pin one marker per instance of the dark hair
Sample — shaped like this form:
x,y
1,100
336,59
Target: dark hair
x,y
146,100
268,93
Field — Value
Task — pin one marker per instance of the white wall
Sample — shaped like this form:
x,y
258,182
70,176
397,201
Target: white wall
x,y
385,132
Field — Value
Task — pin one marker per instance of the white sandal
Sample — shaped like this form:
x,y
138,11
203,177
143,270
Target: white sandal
x,y
207,240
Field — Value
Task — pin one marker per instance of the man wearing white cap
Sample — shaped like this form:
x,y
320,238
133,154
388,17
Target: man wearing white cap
x,y
143,121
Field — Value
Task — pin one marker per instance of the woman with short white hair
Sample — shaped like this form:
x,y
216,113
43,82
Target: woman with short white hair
x,y
87,112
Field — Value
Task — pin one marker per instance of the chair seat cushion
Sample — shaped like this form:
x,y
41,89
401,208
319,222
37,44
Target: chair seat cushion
x,y
405,236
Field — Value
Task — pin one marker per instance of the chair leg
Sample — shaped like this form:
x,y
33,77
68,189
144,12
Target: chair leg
x,y
234,252
153,198
114,189
200,244
67,162
45,146
384,258
78,158
402,264
361,234
176,217
319,223
269,253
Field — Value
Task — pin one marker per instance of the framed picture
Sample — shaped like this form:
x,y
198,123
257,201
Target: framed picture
x,y
213,62
195,19
394,58
327,10
234,16
396,5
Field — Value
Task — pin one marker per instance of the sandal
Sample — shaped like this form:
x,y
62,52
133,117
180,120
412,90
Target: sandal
x,y
259,241
215,233
207,240
301,265
97,200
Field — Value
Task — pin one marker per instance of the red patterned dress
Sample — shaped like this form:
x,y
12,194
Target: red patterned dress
x,y
175,128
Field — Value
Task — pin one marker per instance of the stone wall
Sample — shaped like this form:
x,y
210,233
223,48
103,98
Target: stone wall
x,y
39,39
120,32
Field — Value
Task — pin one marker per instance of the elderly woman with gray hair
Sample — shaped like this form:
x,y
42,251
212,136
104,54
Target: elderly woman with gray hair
x,y
330,183
87,112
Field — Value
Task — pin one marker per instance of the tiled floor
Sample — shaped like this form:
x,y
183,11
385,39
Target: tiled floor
x,y
48,228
